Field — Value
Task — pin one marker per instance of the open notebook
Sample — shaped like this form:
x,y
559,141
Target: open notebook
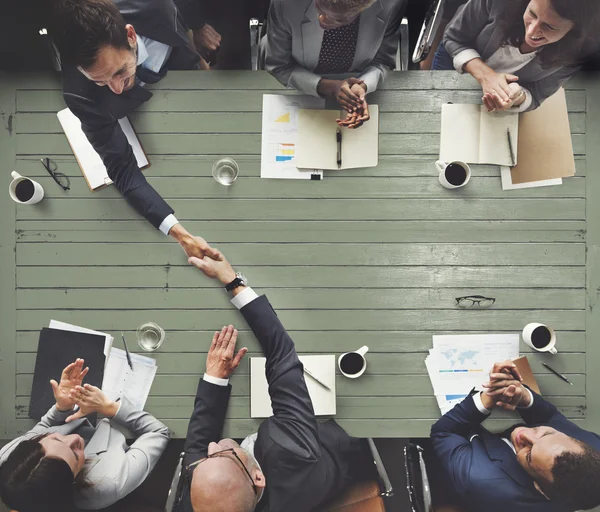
x,y
323,399
318,144
89,161
471,134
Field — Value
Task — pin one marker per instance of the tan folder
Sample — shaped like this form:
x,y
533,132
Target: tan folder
x,y
522,364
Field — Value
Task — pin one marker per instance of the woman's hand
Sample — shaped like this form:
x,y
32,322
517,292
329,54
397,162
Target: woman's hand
x,y
497,91
71,377
91,399
516,97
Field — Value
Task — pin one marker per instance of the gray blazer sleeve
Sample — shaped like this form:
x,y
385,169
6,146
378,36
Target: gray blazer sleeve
x,y
278,55
542,89
120,469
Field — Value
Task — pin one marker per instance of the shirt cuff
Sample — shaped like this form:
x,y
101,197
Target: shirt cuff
x,y
463,57
531,401
525,105
244,297
215,380
168,223
479,404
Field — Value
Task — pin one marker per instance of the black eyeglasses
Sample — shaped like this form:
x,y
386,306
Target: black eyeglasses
x,y
220,454
61,179
477,301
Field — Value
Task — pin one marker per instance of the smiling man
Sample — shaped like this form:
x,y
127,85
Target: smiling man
x,y
547,464
109,51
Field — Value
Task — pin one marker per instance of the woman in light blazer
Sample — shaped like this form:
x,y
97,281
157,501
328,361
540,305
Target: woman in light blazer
x,y
520,51
65,462
341,49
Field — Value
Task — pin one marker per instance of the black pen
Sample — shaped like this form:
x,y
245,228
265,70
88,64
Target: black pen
x,y
510,147
127,352
339,148
557,374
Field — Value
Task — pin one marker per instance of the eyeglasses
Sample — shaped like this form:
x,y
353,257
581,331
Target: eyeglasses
x,y
477,301
61,179
220,454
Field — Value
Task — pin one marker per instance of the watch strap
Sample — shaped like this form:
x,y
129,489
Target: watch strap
x,y
234,284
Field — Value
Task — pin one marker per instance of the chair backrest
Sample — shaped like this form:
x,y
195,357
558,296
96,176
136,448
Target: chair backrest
x,y
417,482
176,490
429,30
403,47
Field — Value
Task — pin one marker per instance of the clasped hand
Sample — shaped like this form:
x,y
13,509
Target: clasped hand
x,y
505,388
500,91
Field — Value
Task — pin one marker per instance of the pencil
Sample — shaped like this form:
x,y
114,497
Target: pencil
x,y
308,372
127,352
511,149
557,374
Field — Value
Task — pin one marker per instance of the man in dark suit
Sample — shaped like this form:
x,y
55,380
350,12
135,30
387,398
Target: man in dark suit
x,y
547,464
293,463
109,51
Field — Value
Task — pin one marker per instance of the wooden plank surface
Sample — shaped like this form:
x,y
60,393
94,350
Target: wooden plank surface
x,y
368,256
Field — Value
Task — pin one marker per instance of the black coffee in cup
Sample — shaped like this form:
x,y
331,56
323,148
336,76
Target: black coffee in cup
x,y
540,337
455,174
24,190
352,363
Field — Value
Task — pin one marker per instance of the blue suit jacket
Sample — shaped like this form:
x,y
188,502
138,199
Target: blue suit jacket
x,y
484,470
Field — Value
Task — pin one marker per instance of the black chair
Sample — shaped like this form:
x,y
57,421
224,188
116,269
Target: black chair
x,y
417,482
430,27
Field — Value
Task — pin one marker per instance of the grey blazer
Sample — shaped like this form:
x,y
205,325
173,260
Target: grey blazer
x,y
474,32
294,37
113,468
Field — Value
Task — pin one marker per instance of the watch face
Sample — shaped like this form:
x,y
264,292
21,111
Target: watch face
x,y
242,278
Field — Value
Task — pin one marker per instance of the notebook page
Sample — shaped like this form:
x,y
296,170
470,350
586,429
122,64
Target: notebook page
x,y
460,133
493,137
360,146
317,139
120,381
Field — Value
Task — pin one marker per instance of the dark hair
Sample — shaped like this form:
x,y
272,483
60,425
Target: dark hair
x,y
81,28
575,478
32,482
571,49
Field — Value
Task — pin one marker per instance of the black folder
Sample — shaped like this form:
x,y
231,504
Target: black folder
x,y
56,350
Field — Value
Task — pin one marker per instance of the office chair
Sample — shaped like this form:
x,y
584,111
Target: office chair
x,y
365,496
417,482
429,30
52,50
403,47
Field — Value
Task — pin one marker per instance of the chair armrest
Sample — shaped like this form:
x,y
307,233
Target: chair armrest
x,y
403,47
431,24
176,489
386,484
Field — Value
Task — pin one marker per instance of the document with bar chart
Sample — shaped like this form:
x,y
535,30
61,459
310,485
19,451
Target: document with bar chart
x,y
280,136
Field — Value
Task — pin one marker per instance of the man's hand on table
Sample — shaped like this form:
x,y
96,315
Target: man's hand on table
x,y
505,389
71,377
221,362
193,245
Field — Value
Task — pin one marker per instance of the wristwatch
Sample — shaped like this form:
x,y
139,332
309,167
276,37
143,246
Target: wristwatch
x,y
240,280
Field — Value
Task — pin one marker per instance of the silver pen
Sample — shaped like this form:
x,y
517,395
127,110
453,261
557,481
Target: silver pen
x,y
308,372
511,149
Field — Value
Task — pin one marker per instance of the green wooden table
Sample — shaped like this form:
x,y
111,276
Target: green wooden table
x,y
371,256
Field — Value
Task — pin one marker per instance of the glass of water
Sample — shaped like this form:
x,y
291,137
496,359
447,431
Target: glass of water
x,y
225,171
150,336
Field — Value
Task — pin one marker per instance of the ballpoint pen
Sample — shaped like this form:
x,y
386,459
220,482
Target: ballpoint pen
x,y
338,135
510,147
308,372
557,374
127,351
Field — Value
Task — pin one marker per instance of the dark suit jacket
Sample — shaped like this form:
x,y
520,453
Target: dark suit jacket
x,y
99,109
484,470
305,463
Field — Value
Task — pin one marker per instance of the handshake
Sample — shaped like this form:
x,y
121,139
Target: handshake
x,y
505,388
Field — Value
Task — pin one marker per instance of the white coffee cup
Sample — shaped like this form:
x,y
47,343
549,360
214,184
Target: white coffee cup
x,y
528,338
354,363
38,191
442,166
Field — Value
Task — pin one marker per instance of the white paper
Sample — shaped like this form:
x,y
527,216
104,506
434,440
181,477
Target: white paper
x,y
120,381
473,135
55,324
90,162
324,400
280,136
459,363
507,183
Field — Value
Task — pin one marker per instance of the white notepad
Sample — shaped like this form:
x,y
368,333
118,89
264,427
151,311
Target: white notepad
x,y
120,381
321,366
471,134
89,161
317,141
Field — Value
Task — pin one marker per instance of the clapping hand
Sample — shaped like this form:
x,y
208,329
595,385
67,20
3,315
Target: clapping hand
x,y
71,377
505,387
221,362
91,399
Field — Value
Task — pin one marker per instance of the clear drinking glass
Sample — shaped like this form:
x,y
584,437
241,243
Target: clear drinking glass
x,y
150,336
225,171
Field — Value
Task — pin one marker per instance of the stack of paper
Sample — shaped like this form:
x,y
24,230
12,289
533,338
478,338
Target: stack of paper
x,y
119,380
457,364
